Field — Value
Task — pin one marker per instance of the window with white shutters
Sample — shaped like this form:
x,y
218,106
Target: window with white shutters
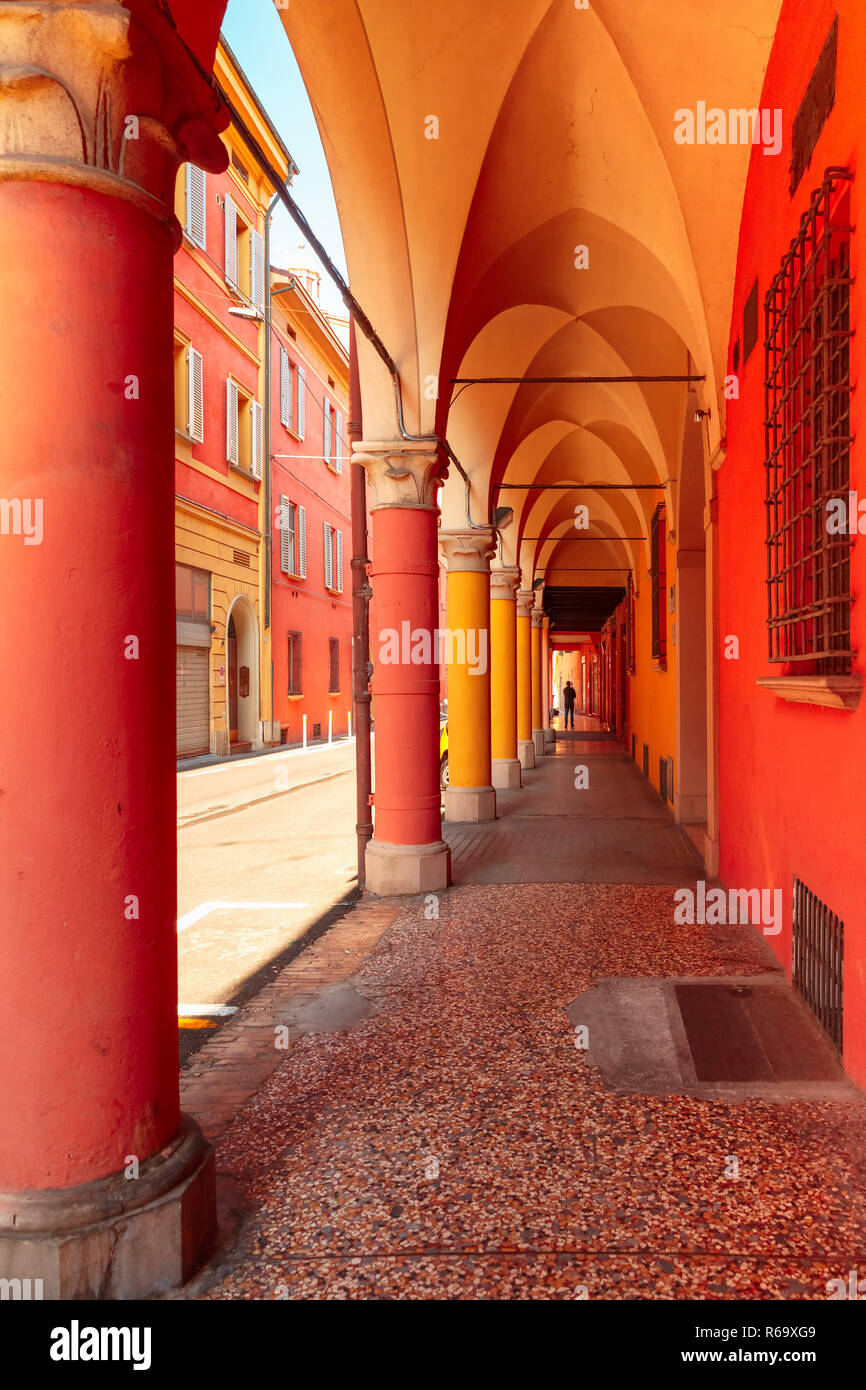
x,y
326,434
302,401
232,431
302,542
256,439
195,381
338,561
231,242
286,392
287,536
257,270
196,205
338,449
329,556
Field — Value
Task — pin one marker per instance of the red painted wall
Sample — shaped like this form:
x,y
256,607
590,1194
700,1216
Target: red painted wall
x,y
221,358
305,605
791,782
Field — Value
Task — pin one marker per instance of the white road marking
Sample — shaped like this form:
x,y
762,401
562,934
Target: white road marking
x,y
195,914
205,1010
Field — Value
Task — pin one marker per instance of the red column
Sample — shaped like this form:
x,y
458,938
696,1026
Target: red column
x,y
407,853
87,874
88,989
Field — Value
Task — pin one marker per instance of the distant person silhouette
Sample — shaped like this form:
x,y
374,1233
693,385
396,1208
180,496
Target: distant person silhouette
x,y
569,696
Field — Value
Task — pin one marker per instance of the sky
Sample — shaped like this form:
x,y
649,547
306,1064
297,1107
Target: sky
x,y
258,40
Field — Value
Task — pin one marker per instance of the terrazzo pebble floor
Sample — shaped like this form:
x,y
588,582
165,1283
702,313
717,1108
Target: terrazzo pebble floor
x,y
456,1144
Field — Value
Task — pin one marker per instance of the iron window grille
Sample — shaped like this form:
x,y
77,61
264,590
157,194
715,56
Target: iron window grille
x,y
808,438
334,666
295,663
658,566
629,625
817,959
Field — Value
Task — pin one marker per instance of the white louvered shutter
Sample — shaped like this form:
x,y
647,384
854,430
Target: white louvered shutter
x,y
231,242
257,270
329,556
302,542
257,442
196,204
302,401
338,446
285,388
338,562
326,435
195,381
285,536
231,422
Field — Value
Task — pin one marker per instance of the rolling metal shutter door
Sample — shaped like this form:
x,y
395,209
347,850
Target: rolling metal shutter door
x,y
193,703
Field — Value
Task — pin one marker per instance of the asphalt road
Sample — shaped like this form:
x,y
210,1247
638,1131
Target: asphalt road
x,y
266,857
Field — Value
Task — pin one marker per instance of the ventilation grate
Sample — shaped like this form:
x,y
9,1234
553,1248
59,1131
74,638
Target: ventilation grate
x,y
241,558
317,731
817,953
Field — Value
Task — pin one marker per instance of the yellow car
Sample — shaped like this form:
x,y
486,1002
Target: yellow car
x,y
443,756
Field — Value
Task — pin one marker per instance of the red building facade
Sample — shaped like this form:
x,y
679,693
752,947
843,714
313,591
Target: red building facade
x,y
793,731
311,544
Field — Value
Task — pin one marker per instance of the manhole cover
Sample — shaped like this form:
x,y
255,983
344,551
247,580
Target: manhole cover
x,y
736,1033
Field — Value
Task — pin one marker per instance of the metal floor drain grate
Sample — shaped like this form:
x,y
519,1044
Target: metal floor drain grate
x,y
718,1038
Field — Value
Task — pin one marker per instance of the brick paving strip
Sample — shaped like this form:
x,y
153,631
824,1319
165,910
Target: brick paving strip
x,y
235,1063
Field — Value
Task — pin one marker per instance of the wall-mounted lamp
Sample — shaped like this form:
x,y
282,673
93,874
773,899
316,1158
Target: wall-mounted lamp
x,y
701,415
503,516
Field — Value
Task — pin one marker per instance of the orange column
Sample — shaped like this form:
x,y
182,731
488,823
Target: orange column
x,y
107,1190
470,797
537,684
407,853
505,764
525,746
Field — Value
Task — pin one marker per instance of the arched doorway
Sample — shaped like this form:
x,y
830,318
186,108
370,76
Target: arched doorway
x,y
242,671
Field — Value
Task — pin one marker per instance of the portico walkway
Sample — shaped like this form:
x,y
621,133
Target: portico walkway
x,y
612,829
527,1098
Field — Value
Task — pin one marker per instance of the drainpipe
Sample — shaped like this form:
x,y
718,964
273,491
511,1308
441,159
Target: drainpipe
x,y
361,594
268,470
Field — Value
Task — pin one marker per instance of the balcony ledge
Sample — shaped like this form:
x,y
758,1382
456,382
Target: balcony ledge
x,y
834,692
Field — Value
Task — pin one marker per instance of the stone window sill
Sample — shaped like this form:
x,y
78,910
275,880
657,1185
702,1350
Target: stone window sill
x,y
834,692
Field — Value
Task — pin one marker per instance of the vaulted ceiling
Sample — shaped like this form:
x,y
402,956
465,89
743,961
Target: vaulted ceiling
x,y
554,131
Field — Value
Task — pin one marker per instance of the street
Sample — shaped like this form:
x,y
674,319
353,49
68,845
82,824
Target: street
x,y
266,852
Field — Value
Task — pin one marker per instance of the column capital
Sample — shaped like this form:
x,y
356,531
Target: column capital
x,y
525,602
94,96
538,618
504,582
402,472
468,550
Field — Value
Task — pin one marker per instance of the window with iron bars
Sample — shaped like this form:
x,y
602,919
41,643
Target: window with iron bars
x,y
808,439
334,666
658,569
295,666
629,626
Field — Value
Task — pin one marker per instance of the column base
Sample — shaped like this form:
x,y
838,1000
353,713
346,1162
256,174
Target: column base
x,y
118,1237
395,870
505,774
538,743
469,805
526,752
712,856
549,740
